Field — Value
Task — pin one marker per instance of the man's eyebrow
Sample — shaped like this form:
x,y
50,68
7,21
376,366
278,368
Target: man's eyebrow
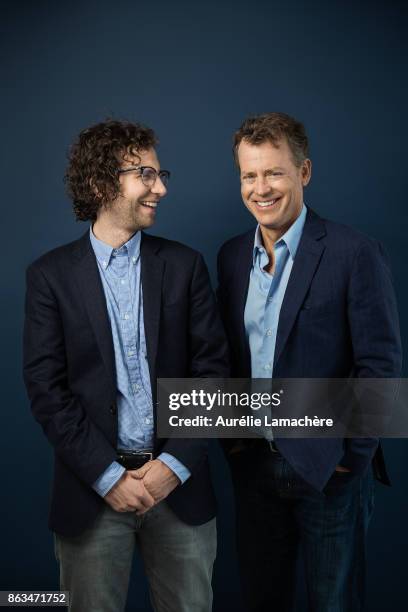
x,y
271,169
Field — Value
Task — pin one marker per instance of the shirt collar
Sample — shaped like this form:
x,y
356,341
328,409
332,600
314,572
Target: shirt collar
x,y
291,238
103,251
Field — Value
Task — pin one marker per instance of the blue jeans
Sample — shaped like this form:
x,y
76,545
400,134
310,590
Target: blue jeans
x,y
178,561
278,513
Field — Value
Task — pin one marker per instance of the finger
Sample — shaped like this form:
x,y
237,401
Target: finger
x,y
146,500
141,499
138,474
140,512
340,468
120,508
141,471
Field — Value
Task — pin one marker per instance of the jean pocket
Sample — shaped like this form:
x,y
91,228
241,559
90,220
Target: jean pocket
x,y
339,481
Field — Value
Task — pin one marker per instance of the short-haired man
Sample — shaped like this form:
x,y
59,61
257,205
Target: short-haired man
x,y
105,316
302,297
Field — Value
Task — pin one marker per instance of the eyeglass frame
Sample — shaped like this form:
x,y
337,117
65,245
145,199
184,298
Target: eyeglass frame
x,y
165,173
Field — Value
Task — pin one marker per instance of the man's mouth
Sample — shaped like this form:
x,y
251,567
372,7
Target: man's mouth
x,y
149,204
267,203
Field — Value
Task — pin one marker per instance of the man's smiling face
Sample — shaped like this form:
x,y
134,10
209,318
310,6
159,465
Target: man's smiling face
x,y
135,207
271,184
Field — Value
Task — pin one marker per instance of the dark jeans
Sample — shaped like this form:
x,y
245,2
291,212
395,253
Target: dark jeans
x,y
277,511
178,561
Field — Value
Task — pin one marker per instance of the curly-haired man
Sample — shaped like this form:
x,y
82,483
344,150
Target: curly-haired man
x,y
105,316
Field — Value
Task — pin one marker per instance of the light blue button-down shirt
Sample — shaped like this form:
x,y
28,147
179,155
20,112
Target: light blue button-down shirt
x,y
120,273
265,296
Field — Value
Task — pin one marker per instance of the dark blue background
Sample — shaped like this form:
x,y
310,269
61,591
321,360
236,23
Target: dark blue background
x,y
193,72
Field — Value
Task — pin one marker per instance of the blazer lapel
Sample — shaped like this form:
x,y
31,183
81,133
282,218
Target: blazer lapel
x,y
152,269
307,259
91,288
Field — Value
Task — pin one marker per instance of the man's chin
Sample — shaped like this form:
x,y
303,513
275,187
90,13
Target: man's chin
x,y
148,224
270,222
143,224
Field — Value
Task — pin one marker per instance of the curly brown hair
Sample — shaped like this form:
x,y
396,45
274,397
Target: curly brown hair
x,y
274,127
92,176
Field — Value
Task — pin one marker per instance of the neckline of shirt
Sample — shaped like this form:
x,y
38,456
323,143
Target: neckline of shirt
x,y
104,252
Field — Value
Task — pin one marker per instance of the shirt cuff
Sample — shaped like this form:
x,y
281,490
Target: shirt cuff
x,y
109,478
176,466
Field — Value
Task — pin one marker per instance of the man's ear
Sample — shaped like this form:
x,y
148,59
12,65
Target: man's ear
x,y
306,172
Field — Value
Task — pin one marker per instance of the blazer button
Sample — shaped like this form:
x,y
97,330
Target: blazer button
x,y
112,408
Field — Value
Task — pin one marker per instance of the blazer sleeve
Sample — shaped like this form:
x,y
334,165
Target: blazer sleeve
x,y
375,335
76,440
227,444
220,292
208,356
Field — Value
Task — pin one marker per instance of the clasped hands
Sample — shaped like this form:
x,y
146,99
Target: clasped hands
x,y
139,490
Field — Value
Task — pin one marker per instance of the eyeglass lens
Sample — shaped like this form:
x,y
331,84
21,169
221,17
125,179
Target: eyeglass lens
x,y
149,176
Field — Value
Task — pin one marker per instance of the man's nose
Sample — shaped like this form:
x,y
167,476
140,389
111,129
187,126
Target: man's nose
x,y
159,187
262,186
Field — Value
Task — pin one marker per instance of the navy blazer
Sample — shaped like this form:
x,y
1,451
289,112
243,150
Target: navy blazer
x,y
69,367
338,319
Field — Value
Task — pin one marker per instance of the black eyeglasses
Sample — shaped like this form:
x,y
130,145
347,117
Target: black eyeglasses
x,y
149,175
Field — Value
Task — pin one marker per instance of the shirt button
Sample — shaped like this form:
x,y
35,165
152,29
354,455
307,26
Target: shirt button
x,y
269,332
147,421
134,259
131,353
267,366
136,387
126,316
122,282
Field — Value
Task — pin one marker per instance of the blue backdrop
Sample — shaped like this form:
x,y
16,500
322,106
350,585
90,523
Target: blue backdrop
x,y
193,72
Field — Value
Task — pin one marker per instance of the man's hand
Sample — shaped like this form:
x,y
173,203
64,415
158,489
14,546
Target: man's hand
x,y
340,468
158,479
129,495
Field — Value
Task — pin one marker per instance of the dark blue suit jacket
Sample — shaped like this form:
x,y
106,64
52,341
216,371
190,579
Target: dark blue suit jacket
x,y
69,367
338,319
